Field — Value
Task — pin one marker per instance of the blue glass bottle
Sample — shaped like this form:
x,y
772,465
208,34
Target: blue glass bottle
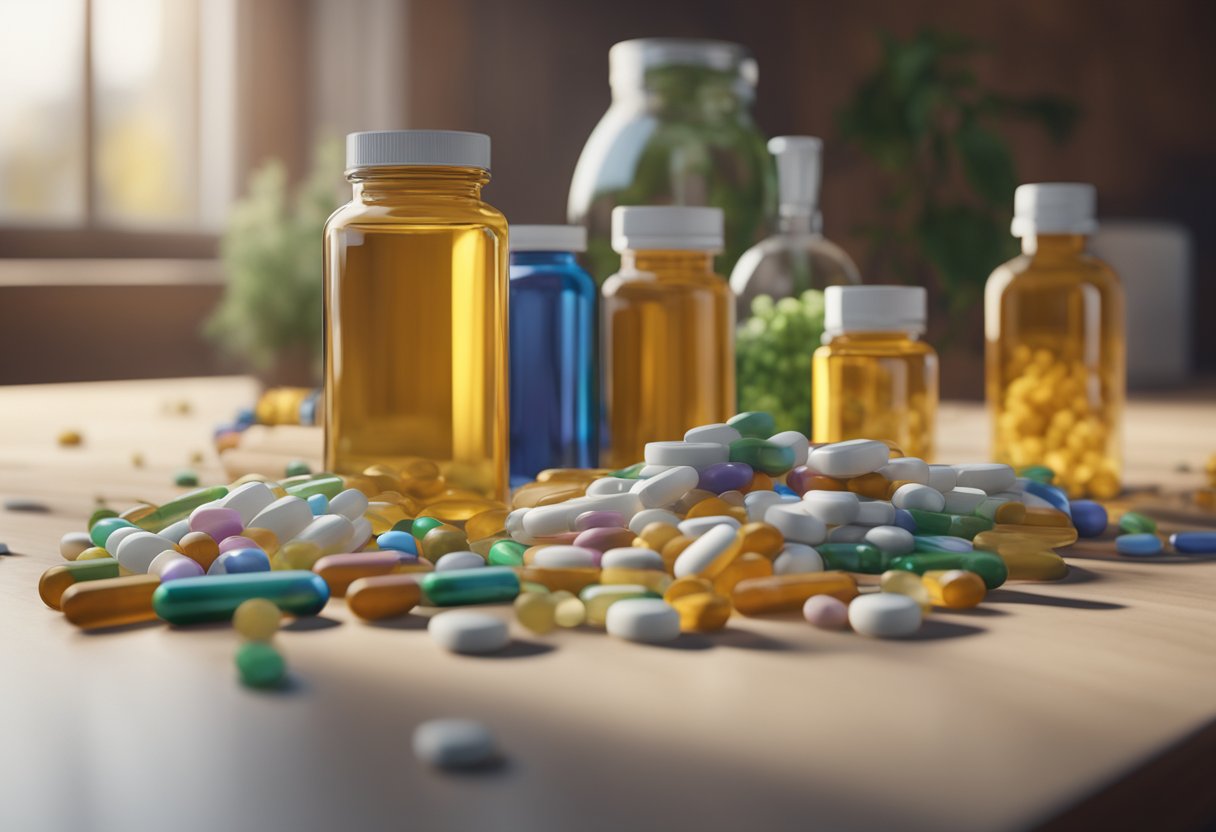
x,y
554,386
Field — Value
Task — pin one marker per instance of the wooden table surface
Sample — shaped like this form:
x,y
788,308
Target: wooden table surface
x,y
1067,705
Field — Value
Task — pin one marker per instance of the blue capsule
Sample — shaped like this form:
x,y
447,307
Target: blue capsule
x,y
1089,518
319,504
398,541
904,519
1056,498
784,490
1194,543
1138,545
236,561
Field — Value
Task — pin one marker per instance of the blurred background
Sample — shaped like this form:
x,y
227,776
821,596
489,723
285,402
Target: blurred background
x,y
166,165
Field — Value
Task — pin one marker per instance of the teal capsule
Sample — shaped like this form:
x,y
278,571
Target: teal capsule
x,y
988,565
457,587
1133,522
1038,473
329,485
507,553
754,424
179,509
100,514
941,543
854,557
260,664
632,472
216,597
102,529
955,525
762,455
297,468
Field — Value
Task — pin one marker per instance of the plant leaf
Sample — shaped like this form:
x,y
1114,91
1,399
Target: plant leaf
x,y
987,163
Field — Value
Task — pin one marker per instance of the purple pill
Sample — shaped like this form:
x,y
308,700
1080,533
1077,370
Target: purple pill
x,y
598,519
227,544
217,522
798,479
181,568
604,538
725,476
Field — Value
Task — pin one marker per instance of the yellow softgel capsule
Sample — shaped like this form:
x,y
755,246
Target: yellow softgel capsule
x,y
954,588
485,524
571,579
568,609
1047,537
200,548
747,565
443,539
702,612
298,554
110,602
1011,512
93,553
1042,517
672,550
709,507
761,538
460,509
536,494
655,535
257,619
1030,565
536,612
787,593
687,586
690,499
267,540
652,579
907,583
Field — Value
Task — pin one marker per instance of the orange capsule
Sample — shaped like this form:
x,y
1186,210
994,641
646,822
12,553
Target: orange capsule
x,y
199,547
692,585
1010,512
821,482
874,486
710,507
747,565
655,535
702,612
672,549
110,602
383,596
761,538
760,482
787,593
1037,516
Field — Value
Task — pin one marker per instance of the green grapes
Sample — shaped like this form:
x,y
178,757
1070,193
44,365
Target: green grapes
x,y
773,350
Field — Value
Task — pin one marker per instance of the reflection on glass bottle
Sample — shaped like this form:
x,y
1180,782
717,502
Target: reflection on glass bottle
x,y
779,285
679,132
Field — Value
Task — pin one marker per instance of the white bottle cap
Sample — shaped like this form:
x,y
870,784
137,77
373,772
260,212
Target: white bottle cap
x,y
629,59
874,309
547,237
652,227
799,170
1054,208
446,148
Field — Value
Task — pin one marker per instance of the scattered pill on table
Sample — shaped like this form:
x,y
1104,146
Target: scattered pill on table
x,y
1194,543
26,505
454,744
70,438
885,615
468,631
1139,544
260,665
185,478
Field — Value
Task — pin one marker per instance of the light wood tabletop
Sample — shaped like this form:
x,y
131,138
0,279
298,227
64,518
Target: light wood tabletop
x,y
1084,703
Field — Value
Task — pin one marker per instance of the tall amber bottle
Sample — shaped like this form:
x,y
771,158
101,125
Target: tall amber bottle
x,y
668,329
874,378
416,313
1055,355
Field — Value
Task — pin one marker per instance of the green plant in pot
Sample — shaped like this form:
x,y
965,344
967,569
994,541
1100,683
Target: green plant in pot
x,y
271,313
948,174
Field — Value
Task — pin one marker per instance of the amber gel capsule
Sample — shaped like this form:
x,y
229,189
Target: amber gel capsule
x,y
110,602
787,593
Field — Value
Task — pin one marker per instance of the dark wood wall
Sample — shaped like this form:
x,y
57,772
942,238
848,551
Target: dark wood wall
x,y
534,75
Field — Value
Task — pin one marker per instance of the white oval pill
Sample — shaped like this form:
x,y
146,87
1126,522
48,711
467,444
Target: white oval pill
x,y
632,558
459,560
875,513
885,615
796,523
468,631
796,442
329,533
700,555
848,534
564,557
907,468
893,540
176,531
652,470
162,560
610,485
758,502
697,454
915,495
544,521
119,535
835,508
648,620
286,517
652,515
698,526
942,477
454,743
361,532
797,559
351,504
665,488
137,551
73,543
717,434
991,477
247,500
964,500
849,459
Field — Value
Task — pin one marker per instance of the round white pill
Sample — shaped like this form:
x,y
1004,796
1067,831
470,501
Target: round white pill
x,y
796,524
563,557
652,515
884,615
468,631
648,620
835,508
797,559
696,454
665,488
73,543
915,495
454,743
849,459
893,540
459,560
632,558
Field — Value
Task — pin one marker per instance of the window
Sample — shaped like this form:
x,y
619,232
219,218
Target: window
x,y
116,116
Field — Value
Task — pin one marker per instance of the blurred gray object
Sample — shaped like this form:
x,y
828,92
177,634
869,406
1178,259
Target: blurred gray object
x,y
1154,261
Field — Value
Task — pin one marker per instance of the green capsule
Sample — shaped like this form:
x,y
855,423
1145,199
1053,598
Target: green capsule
x,y
988,565
457,587
216,597
260,665
186,478
762,455
100,514
1038,473
328,484
424,524
297,467
632,472
968,526
1133,522
406,525
55,581
100,531
754,424
954,525
506,553
854,557
179,509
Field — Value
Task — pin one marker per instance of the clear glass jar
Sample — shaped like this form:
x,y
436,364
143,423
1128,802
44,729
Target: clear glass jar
x,y
679,132
874,378
1055,356
416,313
668,325
778,285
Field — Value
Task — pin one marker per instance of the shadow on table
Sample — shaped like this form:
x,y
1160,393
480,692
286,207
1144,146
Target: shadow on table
x,y
1014,596
122,628
309,623
518,649
935,629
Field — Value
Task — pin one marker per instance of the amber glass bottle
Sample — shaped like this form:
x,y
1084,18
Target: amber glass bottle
x,y
1055,362
416,312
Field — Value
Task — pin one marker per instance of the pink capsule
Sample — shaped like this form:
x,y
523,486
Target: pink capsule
x,y
603,539
236,541
219,523
598,519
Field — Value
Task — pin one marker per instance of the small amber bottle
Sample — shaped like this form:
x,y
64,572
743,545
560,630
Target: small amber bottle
x,y
873,377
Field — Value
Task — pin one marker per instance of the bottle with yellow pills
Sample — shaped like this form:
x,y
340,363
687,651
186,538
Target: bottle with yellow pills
x,y
668,329
874,378
1055,356
416,312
